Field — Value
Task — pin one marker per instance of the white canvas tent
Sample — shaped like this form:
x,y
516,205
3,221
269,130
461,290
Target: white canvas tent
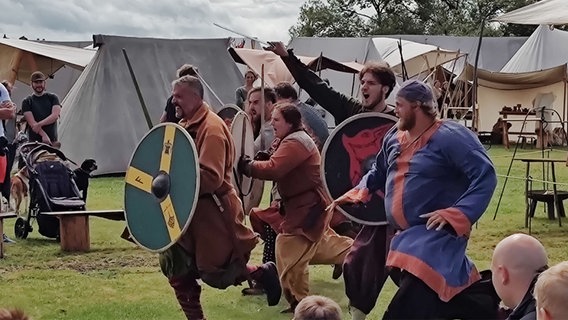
x,y
544,49
550,12
62,62
102,117
418,58
20,58
498,89
494,52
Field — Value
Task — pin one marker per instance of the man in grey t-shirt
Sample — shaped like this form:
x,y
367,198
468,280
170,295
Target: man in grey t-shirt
x,y
41,110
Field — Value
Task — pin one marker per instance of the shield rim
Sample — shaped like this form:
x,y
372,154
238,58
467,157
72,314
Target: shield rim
x,y
323,157
195,197
236,171
231,106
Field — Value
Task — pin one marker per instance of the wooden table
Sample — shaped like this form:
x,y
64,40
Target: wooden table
x,y
74,227
4,215
505,128
541,195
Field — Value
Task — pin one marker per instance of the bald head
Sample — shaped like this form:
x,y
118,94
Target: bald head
x,y
516,261
521,253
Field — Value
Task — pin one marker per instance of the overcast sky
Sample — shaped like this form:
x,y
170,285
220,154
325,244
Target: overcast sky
x,y
80,19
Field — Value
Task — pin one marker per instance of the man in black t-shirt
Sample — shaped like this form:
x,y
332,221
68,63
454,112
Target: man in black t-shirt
x,y
41,111
169,114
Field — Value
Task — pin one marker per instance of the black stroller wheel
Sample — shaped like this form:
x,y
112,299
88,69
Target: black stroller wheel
x,y
21,228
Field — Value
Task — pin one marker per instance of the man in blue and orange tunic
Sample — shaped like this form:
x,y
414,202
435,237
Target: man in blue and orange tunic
x,y
438,181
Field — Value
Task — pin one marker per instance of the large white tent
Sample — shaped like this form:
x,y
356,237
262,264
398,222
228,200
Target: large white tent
x,y
538,68
544,49
498,89
102,117
550,12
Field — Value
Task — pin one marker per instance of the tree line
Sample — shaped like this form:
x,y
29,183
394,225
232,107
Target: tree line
x,y
361,18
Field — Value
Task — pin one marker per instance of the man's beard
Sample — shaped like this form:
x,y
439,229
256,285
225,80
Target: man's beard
x,y
407,123
179,112
375,103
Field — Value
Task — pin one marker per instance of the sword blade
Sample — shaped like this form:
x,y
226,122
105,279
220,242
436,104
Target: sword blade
x,y
264,43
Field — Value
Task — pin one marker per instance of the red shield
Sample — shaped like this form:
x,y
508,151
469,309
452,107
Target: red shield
x,y
348,154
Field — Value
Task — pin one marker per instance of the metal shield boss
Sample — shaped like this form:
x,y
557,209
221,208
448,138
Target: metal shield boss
x,y
250,190
348,154
162,187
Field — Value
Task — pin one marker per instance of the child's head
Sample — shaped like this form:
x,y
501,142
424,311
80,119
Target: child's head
x,y
317,308
550,292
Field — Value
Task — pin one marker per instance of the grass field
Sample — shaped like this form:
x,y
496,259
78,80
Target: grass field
x,y
116,280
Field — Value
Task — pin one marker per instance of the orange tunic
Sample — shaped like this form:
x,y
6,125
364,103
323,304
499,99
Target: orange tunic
x,y
295,167
208,237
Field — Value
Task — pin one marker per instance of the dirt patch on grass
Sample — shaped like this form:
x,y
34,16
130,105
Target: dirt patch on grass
x,y
105,263
89,262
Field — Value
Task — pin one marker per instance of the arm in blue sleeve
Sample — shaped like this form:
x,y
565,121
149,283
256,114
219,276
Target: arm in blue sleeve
x,y
477,166
375,178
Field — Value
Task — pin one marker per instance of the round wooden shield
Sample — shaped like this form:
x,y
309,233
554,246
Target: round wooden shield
x,y
228,112
348,154
243,137
254,198
162,187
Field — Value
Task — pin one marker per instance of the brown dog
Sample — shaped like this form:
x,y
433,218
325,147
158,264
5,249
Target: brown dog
x,y
19,188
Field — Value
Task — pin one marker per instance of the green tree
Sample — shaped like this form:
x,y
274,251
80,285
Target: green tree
x,y
441,17
327,19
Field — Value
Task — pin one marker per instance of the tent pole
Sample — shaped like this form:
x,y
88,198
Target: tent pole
x,y
403,66
564,108
475,84
262,111
138,92
353,82
318,67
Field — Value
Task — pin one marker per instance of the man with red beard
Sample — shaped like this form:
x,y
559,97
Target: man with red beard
x,y
438,181
364,270
217,245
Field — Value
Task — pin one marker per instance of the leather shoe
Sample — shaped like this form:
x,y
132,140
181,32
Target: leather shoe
x,y
271,283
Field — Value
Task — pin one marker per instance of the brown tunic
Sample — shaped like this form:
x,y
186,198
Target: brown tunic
x,y
208,237
295,167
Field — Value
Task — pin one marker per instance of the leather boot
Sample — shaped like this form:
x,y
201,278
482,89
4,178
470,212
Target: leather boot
x,y
267,276
188,293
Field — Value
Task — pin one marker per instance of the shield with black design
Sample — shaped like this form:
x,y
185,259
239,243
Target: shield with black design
x,y
161,187
228,112
250,190
348,154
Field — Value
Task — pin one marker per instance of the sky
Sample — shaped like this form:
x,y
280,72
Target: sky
x,y
54,20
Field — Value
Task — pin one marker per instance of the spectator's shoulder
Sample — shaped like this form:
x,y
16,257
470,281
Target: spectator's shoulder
x,y
52,95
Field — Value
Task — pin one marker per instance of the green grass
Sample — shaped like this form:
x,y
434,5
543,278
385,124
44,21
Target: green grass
x,y
116,280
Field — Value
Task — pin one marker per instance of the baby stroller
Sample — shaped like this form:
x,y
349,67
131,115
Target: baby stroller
x,y
51,188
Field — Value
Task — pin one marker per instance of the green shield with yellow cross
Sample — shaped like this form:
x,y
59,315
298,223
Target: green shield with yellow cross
x,y
162,187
